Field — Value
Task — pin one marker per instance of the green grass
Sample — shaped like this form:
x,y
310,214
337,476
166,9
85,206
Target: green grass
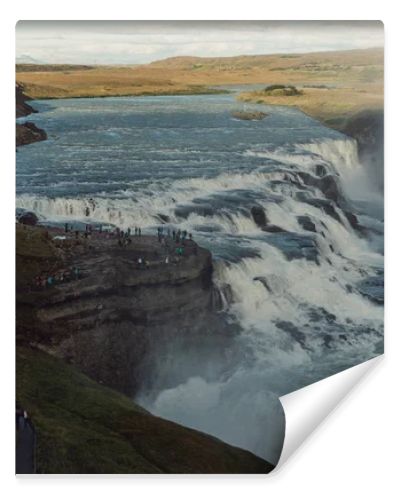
x,y
84,427
35,253
281,90
72,416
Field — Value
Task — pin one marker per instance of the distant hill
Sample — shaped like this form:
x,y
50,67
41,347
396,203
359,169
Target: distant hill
x,y
29,67
298,62
27,59
333,84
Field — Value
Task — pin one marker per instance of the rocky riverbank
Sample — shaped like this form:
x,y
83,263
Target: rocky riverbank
x,y
87,304
27,132
106,321
367,128
356,112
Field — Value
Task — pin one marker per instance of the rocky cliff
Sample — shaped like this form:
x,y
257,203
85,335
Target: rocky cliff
x,y
104,314
106,321
27,132
367,128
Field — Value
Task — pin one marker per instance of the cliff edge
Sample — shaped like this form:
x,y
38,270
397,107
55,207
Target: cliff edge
x,y
90,309
27,132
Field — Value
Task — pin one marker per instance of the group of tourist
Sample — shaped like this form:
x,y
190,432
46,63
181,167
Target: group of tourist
x,y
177,236
62,276
179,241
175,241
124,237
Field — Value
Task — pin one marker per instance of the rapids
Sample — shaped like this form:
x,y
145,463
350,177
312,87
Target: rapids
x,y
300,293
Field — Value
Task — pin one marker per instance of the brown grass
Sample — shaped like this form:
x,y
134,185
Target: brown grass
x,y
325,104
355,78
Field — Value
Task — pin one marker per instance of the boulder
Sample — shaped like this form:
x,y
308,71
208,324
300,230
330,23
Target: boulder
x,y
164,218
353,220
28,218
259,216
320,170
306,223
28,132
249,115
327,184
330,187
271,228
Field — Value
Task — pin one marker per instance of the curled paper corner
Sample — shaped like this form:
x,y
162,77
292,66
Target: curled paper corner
x,y
306,408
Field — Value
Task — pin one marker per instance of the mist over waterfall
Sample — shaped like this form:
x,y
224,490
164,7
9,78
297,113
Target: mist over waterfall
x,y
287,210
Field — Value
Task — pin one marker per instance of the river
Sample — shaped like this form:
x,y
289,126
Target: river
x,y
303,295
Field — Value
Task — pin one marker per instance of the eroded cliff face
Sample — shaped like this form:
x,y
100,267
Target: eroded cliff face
x,y
367,128
27,132
109,321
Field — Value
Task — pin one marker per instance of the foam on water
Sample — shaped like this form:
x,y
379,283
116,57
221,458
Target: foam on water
x,y
292,298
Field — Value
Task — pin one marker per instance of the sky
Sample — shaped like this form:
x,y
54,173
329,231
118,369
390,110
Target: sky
x,y
138,42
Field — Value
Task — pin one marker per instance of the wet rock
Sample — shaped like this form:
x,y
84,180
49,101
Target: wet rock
x,y
306,223
163,218
328,185
325,205
249,115
320,170
222,296
28,218
184,211
264,281
294,245
367,128
293,331
28,132
373,289
353,220
318,314
259,216
271,228
22,106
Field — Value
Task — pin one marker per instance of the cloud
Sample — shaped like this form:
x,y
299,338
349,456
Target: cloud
x,y
124,42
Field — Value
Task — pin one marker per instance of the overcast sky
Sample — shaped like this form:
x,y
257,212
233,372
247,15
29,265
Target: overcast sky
x,y
134,42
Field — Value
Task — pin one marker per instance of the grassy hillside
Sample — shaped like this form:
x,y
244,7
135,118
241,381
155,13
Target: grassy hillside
x,y
330,105
84,427
101,81
334,84
35,253
193,74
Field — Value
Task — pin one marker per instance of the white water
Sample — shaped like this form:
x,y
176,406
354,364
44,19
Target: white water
x,y
294,298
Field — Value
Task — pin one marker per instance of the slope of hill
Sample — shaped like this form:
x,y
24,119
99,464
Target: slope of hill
x,y
193,74
84,427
